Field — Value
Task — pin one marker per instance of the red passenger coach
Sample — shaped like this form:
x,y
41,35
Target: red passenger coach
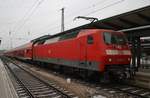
x,y
90,49
22,52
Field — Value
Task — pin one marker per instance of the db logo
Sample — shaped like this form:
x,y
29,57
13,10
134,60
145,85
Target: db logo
x,y
49,51
119,47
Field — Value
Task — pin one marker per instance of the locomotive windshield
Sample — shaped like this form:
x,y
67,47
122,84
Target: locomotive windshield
x,y
114,38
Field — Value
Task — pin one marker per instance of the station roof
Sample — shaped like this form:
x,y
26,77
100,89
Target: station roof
x,y
138,19
132,19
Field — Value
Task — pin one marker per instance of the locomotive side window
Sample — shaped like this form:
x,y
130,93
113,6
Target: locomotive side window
x,y
41,42
69,35
52,40
107,38
90,39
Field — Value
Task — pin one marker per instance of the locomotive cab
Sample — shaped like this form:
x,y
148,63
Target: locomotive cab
x,y
117,54
106,52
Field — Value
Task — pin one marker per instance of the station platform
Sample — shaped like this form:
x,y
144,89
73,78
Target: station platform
x,y
6,87
142,78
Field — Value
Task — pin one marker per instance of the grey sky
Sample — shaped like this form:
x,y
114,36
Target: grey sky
x,y
40,17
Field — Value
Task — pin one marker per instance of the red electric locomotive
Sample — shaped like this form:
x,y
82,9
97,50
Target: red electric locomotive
x,y
89,50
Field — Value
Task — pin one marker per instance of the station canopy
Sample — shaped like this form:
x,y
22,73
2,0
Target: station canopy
x,y
136,20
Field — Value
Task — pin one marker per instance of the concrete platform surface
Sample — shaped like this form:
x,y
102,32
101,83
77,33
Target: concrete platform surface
x,y
6,87
142,78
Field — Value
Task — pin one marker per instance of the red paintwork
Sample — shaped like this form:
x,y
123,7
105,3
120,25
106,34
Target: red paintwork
x,y
77,49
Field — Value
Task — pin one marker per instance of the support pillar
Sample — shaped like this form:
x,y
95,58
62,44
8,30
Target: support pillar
x,y
133,50
138,52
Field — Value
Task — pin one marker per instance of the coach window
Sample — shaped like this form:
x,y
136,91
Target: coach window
x,y
90,39
28,50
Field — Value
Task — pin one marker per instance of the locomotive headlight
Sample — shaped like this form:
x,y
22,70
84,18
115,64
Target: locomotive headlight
x,y
112,52
109,59
128,59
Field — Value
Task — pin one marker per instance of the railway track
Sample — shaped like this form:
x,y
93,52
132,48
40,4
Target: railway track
x,y
115,90
133,90
30,86
120,90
